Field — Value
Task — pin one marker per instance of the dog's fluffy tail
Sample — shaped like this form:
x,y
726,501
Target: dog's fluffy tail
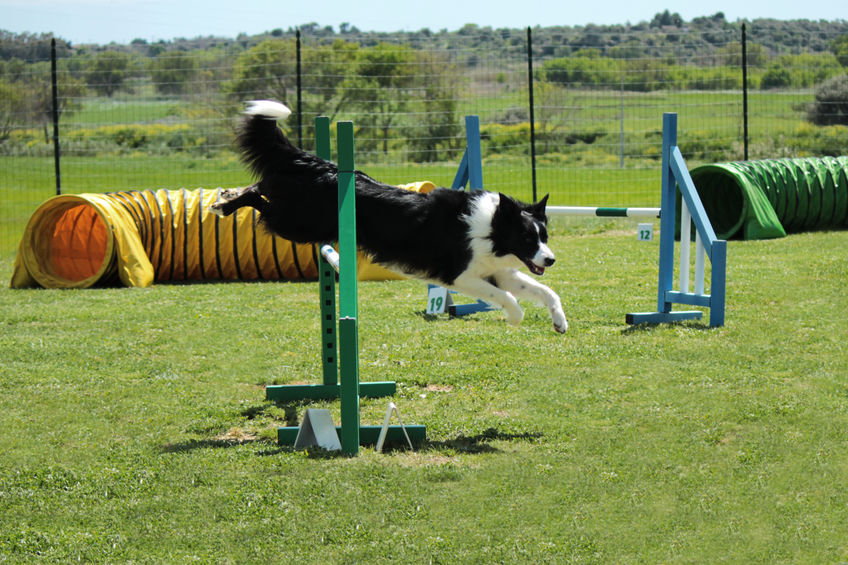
x,y
259,140
267,109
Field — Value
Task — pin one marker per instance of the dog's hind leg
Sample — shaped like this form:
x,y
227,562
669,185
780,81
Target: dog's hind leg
x,y
485,290
234,199
524,286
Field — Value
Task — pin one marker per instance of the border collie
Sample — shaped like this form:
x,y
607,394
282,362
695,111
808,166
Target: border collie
x,y
472,242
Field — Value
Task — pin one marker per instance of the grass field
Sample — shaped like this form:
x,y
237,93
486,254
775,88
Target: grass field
x,y
134,425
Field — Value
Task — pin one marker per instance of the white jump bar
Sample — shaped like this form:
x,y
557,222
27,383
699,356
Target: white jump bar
x,y
603,212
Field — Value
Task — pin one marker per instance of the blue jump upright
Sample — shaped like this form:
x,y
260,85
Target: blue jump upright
x,y
675,176
470,173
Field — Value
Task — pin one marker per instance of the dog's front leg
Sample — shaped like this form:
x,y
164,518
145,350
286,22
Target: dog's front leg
x,y
232,199
524,286
484,290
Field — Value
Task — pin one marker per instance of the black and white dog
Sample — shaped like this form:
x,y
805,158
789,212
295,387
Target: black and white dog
x,y
471,242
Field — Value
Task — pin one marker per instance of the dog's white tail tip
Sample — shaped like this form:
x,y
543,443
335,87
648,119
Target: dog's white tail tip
x,y
267,109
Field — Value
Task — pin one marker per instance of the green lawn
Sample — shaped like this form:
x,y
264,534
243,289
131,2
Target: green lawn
x,y
134,425
104,110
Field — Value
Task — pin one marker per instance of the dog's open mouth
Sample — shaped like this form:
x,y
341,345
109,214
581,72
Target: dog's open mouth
x,y
534,268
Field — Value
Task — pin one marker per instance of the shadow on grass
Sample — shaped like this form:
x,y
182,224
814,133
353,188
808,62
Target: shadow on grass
x,y
480,443
209,443
469,444
446,317
233,438
647,328
289,410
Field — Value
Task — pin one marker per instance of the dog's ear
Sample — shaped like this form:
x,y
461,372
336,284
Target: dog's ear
x,y
537,210
507,205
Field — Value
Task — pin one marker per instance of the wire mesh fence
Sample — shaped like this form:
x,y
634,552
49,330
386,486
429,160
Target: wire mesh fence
x,y
576,113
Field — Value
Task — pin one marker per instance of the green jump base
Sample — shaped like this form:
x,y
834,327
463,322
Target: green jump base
x,y
286,393
368,435
662,317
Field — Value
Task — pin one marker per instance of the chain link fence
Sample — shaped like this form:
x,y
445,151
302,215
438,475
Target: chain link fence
x,y
574,112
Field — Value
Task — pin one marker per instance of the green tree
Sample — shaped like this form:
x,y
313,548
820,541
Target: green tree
x,y
839,47
11,105
385,77
325,69
30,96
266,70
108,71
436,126
172,72
269,69
666,19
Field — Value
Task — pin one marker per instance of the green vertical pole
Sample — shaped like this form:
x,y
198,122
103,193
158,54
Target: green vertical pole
x,y
348,328
322,138
347,223
327,278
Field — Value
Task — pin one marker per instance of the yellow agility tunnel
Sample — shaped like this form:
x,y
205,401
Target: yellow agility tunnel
x,y
137,238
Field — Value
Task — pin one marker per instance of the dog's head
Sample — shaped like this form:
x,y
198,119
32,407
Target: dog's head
x,y
522,230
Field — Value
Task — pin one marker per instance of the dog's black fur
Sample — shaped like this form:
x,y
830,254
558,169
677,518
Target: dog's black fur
x,y
428,236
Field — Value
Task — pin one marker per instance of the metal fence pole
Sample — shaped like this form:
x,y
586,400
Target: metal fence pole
x,y
745,92
56,164
532,113
299,93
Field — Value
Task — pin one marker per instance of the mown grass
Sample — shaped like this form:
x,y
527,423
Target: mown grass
x,y
134,425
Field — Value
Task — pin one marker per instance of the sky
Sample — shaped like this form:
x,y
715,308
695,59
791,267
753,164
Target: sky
x,y
121,21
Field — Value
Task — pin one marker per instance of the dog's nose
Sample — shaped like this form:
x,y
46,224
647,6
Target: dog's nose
x,y
549,261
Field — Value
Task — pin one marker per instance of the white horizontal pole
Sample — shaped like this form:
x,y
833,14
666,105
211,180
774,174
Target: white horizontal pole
x,y
602,211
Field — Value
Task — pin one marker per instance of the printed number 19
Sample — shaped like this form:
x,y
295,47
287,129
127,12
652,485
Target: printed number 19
x,y
437,299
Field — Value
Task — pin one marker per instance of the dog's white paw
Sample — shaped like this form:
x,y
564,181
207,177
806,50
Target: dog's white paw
x,y
560,323
514,315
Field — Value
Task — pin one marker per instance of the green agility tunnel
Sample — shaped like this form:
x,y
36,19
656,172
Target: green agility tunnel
x,y
137,238
771,198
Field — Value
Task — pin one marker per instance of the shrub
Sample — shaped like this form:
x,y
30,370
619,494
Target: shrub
x,y
776,76
831,102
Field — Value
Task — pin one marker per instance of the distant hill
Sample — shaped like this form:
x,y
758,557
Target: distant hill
x,y
647,38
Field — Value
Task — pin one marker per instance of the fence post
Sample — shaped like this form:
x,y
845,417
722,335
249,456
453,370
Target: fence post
x,y
745,91
55,89
532,112
299,97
